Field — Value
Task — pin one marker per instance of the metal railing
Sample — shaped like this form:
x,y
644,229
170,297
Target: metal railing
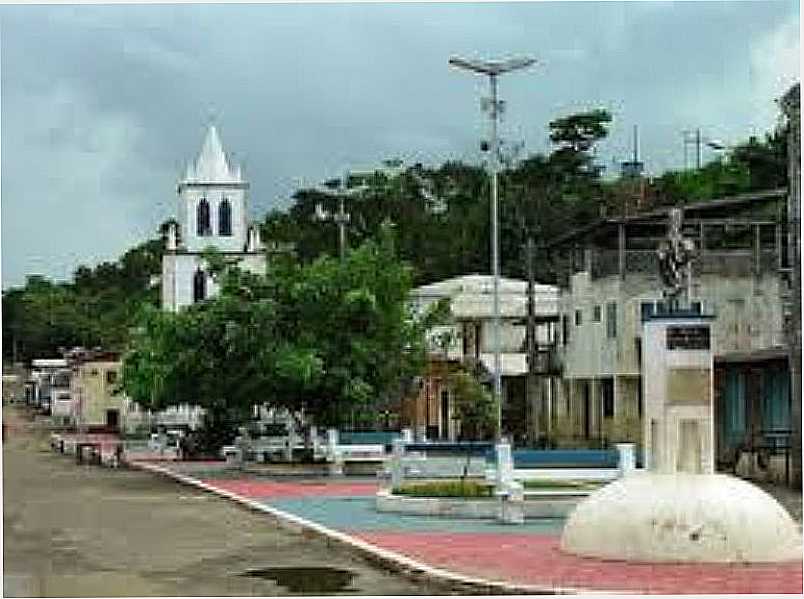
x,y
737,262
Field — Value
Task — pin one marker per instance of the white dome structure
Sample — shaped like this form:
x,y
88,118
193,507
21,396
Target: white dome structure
x,y
682,517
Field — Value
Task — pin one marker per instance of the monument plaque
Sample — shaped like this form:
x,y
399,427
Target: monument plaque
x,y
688,337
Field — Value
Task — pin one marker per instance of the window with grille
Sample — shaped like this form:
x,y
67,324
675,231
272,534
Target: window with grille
x,y
225,218
202,218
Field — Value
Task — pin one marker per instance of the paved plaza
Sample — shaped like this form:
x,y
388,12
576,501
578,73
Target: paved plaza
x,y
83,531
520,555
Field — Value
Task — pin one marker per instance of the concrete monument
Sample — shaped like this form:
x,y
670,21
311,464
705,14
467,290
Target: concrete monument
x,y
678,509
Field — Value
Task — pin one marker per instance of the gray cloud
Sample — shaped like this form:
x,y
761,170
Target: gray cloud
x,y
103,105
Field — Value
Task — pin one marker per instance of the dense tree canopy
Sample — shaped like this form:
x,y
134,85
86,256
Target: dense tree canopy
x,y
333,340
441,221
442,214
750,166
95,309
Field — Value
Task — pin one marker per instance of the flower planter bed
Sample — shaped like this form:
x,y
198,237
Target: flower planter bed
x,y
475,499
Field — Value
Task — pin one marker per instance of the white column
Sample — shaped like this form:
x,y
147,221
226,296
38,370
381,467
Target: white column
x,y
627,458
505,466
511,493
314,440
333,453
291,440
397,473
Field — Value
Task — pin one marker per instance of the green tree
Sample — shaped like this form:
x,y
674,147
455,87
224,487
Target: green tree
x,y
96,308
475,407
331,340
545,196
441,215
754,165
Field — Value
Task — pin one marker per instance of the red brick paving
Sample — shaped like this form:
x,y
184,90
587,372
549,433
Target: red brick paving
x,y
536,559
255,488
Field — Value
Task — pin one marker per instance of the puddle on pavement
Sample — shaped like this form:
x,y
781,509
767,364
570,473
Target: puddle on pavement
x,y
310,580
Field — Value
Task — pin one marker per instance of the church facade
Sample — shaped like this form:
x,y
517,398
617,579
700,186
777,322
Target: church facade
x,y
212,211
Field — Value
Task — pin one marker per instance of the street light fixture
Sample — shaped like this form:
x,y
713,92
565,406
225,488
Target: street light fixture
x,y
493,69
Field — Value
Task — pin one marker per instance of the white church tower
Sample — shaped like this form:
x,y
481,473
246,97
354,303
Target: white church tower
x,y
211,214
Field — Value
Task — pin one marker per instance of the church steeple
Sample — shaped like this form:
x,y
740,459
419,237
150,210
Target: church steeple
x,y
212,166
211,213
212,200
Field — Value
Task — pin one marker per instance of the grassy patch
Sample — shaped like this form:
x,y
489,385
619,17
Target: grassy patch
x,y
448,488
472,489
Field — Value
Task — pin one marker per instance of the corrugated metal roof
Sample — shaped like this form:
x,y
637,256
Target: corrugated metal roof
x,y
472,296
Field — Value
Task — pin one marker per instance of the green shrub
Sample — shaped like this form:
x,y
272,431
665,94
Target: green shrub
x,y
446,488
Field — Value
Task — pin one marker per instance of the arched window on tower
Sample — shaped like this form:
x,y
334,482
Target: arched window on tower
x,y
202,220
199,286
225,218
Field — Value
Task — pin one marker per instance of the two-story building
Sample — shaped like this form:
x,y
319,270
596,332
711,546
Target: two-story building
x,y
609,284
467,341
98,404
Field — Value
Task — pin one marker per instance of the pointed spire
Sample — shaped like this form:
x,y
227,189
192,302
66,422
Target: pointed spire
x,y
212,165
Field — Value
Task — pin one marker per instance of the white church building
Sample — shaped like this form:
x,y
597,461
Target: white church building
x,y
211,214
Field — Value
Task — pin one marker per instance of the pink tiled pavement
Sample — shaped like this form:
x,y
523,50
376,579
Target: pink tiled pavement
x,y
254,488
537,560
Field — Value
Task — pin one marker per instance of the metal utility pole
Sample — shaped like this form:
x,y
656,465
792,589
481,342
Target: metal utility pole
x,y
341,217
695,138
692,137
535,415
494,69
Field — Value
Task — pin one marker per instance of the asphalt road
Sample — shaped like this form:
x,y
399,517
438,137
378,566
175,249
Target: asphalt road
x,y
71,530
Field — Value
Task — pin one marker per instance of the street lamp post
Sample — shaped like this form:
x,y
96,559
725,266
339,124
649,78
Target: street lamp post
x,y
493,69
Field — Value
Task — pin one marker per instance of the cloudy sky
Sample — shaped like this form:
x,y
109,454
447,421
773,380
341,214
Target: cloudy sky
x,y
103,105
